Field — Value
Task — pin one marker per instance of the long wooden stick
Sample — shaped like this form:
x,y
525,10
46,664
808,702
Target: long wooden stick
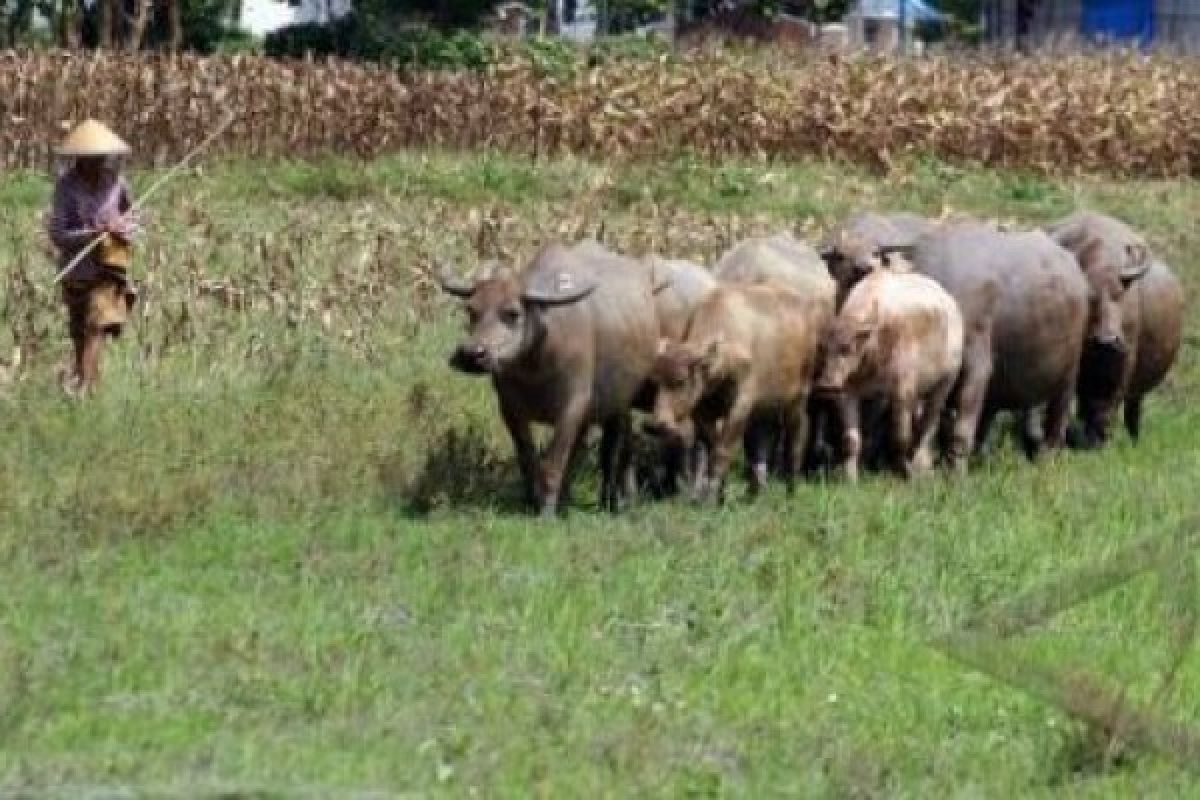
x,y
158,184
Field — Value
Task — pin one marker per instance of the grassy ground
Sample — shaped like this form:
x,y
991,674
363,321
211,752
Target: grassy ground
x,y
280,550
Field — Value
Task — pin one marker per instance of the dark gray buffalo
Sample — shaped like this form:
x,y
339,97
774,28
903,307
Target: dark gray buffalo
x,y
1152,326
859,245
1161,304
568,343
1024,304
1113,258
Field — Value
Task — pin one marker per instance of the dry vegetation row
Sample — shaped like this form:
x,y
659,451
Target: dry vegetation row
x,y
1114,113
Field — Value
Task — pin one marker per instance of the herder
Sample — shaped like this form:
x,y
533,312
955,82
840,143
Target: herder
x,y
92,199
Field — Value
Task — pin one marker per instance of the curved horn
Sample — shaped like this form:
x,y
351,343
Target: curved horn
x,y
561,298
455,286
905,250
1139,262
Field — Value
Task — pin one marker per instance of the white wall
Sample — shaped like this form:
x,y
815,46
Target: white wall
x,y
261,17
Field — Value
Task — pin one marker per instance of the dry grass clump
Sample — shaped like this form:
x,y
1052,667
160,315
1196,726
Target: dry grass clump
x,y
1116,113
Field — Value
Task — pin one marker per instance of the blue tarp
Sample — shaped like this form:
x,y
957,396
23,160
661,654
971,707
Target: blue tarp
x,y
1118,19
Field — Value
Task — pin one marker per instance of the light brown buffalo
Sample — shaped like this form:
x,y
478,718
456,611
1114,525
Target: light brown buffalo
x,y
897,339
679,288
1152,328
568,343
1024,305
749,352
782,260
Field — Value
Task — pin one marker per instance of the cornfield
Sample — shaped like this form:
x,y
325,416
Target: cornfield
x,y
1115,113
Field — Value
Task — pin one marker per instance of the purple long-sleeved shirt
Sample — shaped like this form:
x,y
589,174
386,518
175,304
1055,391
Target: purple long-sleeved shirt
x,y
78,209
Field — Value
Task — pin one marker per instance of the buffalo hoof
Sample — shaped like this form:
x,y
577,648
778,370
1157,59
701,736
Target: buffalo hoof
x,y
921,463
1083,438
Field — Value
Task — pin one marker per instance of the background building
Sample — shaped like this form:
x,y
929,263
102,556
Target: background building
x,y
1169,23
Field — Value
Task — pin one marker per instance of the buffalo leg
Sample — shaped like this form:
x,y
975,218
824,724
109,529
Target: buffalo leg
x,y
702,472
927,426
972,418
1033,435
625,480
817,444
759,445
522,437
1099,424
1058,415
618,476
902,431
674,467
1091,429
795,441
848,413
698,460
610,442
556,461
568,481
1133,416
731,431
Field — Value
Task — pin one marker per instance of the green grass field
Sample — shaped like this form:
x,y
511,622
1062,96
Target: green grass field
x,y
280,553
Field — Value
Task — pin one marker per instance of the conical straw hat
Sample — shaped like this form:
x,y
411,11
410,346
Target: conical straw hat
x,y
92,138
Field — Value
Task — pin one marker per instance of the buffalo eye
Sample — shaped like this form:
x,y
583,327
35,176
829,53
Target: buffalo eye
x,y
472,316
510,316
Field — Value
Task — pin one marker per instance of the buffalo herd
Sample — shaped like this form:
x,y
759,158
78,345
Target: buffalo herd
x,y
894,343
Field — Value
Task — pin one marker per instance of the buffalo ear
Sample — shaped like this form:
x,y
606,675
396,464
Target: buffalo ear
x,y
658,283
1089,254
1069,233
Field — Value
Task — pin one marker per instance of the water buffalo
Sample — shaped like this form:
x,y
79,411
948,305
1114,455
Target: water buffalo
x,y
859,245
779,259
1112,256
1024,304
749,352
568,343
1152,329
783,260
679,288
1159,338
899,338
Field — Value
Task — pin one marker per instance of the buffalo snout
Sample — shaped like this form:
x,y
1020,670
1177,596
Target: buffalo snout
x,y
829,384
470,358
1109,340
